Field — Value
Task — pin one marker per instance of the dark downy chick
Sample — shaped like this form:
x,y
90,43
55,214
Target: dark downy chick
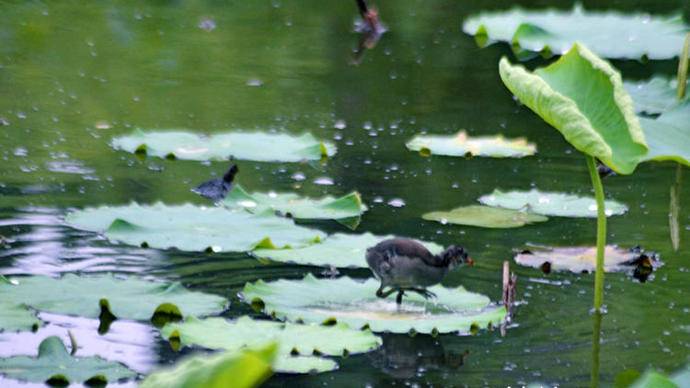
x,y
406,265
217,189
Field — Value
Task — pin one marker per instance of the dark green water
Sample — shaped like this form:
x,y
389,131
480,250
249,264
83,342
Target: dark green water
x,y
67,68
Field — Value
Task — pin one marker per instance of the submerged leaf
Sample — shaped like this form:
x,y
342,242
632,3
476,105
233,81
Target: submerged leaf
x,y
550,203
55,364
611,33
346,300
244,369
337,250
485,217
293,340
462,145
129,298
258,146
653,96
583,97
291,204
584,259
192,228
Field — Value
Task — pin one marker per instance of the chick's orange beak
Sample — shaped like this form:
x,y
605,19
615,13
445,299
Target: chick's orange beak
x,y
469,261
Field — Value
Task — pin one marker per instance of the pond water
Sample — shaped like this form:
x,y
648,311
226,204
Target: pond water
x,y
73,75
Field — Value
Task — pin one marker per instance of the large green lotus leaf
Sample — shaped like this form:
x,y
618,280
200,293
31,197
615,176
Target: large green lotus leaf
x,y
353,302
668,136
128,298
258,146
327,207
305,340
653,96
462,145
550,203
14,316
245,369
485,217
611,34
192,228
583,97
54,363
337,250
576,259
654,379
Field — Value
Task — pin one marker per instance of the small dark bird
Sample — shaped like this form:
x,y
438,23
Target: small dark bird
x,y
406,265
216,189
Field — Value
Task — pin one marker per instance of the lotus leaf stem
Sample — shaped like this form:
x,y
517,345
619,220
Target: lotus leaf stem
x,y
683,68
601,233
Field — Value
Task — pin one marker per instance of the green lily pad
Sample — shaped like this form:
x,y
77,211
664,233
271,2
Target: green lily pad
x,y
576,259
55,364
129,298
462,145
192,228
550,203
16,317
485,217
337,250
668,135
245,369
611,34
654,379
257,146
291,204
653,96
293,340
354,303
583,97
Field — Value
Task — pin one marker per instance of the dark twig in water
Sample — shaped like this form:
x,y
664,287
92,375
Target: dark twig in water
x,y
371,29
509,289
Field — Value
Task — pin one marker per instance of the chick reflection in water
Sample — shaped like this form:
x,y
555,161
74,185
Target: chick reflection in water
x,y
406,265
404,357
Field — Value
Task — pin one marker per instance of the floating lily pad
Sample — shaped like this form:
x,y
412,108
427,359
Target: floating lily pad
x,y
668,135
611,34
14,316
246,369
550,203
129,298
54,364
337,250
577,259
462,145
291,204
653,96
258,146
293,339
485,217
583,97
192,228
346,300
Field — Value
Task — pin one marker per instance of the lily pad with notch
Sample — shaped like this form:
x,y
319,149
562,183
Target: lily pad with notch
x,y
257,146
345,300
239,369
55,366
461,144
292,205
485,217
337,250
298,344
550,203
654,96
108,297
192,228
583,260
555,31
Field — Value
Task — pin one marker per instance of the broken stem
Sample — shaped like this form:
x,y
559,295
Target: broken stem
x,y
601,232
